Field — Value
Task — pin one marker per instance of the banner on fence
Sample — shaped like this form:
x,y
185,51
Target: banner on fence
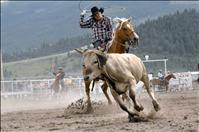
x,y
183,81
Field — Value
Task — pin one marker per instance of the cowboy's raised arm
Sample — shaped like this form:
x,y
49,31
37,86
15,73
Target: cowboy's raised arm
x,y
85,24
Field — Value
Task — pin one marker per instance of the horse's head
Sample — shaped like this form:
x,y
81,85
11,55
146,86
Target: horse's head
x,y
126,31
173,76
169,76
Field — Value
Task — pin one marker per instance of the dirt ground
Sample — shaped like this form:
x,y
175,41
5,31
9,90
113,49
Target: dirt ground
x,y
179,112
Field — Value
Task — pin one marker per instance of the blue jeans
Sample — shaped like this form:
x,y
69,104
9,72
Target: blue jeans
x,y
99,44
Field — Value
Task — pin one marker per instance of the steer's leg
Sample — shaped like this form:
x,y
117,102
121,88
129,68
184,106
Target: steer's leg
x,y
150,91
87,89
104,88
132,95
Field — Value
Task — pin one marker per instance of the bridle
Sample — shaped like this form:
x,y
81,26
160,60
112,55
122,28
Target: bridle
x,y
128,43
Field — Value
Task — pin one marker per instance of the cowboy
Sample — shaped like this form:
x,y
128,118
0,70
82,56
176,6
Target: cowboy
x,y
101,27
160,75
61,75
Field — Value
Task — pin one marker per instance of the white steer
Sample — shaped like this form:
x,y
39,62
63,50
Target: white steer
x,y
121,72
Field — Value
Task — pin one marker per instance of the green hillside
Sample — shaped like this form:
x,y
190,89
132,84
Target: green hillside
x,y
174,36
42,67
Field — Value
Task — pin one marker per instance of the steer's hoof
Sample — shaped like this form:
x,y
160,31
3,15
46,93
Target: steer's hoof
x,y
89,110
139,108
156,105
137,118
110,102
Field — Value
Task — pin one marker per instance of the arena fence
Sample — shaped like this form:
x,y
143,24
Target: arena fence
x,y
182,82
42,88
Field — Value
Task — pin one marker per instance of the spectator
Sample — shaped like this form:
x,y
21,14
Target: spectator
x,y
60,74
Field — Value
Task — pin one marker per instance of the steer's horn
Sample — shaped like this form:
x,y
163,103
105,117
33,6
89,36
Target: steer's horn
x,y
79,51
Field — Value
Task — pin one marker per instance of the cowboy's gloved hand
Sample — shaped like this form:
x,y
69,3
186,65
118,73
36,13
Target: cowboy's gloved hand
x,y
82,16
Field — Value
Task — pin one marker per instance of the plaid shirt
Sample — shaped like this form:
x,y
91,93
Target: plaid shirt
x,y
100,30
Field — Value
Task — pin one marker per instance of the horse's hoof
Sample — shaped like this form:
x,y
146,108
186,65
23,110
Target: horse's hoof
x,y
139,108
156,105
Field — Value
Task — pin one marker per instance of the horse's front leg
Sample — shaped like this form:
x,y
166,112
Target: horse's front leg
x,y
104,88
167,86
87,90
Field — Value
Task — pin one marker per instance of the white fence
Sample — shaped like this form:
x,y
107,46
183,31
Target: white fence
x,y
41,88
182,82
38,88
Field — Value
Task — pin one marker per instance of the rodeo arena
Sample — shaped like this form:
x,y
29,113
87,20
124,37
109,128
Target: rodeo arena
x,y
34,105
113,93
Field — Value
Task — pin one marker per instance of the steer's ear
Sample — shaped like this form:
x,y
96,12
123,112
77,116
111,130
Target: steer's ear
x,y
101,58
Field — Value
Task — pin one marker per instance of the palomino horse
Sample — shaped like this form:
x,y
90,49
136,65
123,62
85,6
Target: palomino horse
x,y
124,33
164,82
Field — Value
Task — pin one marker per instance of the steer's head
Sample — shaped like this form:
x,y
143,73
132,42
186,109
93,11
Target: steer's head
x,y
93,62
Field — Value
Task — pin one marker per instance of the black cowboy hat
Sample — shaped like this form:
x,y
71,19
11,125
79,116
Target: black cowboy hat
x,y
95,9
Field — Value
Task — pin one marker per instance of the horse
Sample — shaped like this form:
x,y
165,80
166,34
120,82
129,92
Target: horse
x,y
123,35
55,85
164,82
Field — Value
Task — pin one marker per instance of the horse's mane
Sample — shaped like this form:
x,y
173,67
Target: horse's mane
x,y
117,21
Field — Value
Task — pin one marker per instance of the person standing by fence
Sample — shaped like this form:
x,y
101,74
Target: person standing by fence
x,y
60,74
